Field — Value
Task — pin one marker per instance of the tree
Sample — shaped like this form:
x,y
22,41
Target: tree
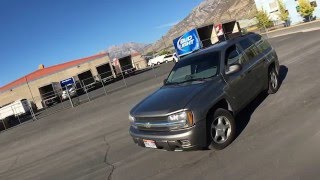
x,y
283,12
164,52
305,9
149,53
263,19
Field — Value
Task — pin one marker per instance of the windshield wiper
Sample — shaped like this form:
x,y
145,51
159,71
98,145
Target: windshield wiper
x,y
172,83
197,79
189,80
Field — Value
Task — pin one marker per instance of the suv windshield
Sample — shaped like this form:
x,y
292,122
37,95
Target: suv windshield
x,y
197,68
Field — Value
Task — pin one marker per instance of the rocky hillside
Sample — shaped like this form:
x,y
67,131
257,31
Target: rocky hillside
x,y
125,49
209,11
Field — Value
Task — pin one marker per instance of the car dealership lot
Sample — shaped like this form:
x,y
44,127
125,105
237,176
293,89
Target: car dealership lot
x,y
278,135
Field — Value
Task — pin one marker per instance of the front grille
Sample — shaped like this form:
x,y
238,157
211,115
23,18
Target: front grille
x,y
148,119
153,128
144,123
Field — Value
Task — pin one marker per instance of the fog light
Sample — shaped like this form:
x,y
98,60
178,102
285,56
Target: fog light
x,y
185,143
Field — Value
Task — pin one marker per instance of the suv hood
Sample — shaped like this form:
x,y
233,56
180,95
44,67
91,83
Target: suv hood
x,y
167,99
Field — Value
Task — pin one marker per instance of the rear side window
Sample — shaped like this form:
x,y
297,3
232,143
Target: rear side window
x,y
234,55
249,48
260,43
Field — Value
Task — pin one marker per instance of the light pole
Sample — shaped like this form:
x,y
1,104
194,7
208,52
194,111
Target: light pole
x,y
29,88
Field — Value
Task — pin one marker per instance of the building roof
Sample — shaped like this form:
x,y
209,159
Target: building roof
x,y
49,70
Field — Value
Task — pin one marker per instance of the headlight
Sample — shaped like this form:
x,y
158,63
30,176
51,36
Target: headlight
x,y
183,119
131,119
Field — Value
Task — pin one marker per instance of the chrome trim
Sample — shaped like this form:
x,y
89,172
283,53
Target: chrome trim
x,y
161,124
161,115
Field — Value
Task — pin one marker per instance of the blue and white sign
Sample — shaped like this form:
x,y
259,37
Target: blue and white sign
x,y
187,43
66,82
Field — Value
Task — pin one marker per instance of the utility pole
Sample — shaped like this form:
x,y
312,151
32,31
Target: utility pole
x,y
152,51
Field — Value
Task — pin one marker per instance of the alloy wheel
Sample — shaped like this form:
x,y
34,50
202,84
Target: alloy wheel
x,y
220,129
273,80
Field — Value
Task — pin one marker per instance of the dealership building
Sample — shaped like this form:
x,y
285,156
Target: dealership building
x,y
271,7
92,67
27,87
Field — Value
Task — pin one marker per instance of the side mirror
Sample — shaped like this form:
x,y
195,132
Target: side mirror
x,y
165,81
233,69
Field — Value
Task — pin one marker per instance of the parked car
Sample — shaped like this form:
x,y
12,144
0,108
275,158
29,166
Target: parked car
x,y
197,105
156,60
168,58
70,89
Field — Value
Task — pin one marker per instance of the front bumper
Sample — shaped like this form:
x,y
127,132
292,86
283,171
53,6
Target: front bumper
x,y
186,139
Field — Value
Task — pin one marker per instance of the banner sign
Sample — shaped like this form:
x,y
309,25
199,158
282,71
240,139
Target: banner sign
x,y
187,43
66,82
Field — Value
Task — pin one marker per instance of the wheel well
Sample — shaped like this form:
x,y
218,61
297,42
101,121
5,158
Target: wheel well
x,y
272,65
224,104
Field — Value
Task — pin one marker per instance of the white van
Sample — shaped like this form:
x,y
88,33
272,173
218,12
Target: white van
x,y
156,60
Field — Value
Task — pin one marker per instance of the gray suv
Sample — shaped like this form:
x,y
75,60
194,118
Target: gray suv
x,y
196,106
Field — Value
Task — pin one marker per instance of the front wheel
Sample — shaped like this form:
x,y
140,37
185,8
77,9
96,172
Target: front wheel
x,y
221,129
273,81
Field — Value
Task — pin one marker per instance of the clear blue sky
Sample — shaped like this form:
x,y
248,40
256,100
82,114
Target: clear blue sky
x,y
49,32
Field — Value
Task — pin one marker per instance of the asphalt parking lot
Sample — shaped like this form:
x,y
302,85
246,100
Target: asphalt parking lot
x,y
278,135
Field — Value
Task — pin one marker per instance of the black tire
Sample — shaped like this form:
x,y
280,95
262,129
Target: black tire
x,y
230,135
273,81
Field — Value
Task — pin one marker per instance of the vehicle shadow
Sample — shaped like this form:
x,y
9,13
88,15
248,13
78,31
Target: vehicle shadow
x,y
244,116
283,71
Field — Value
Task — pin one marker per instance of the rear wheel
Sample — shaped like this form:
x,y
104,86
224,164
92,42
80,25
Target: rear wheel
x,y
221,129
273,81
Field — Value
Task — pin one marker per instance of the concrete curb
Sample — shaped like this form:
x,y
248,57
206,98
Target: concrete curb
x,y
305,27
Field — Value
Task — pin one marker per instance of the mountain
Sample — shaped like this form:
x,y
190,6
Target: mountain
x,y
125,49
208,11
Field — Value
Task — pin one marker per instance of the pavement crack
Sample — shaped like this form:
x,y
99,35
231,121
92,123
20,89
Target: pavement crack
x,y
106,161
